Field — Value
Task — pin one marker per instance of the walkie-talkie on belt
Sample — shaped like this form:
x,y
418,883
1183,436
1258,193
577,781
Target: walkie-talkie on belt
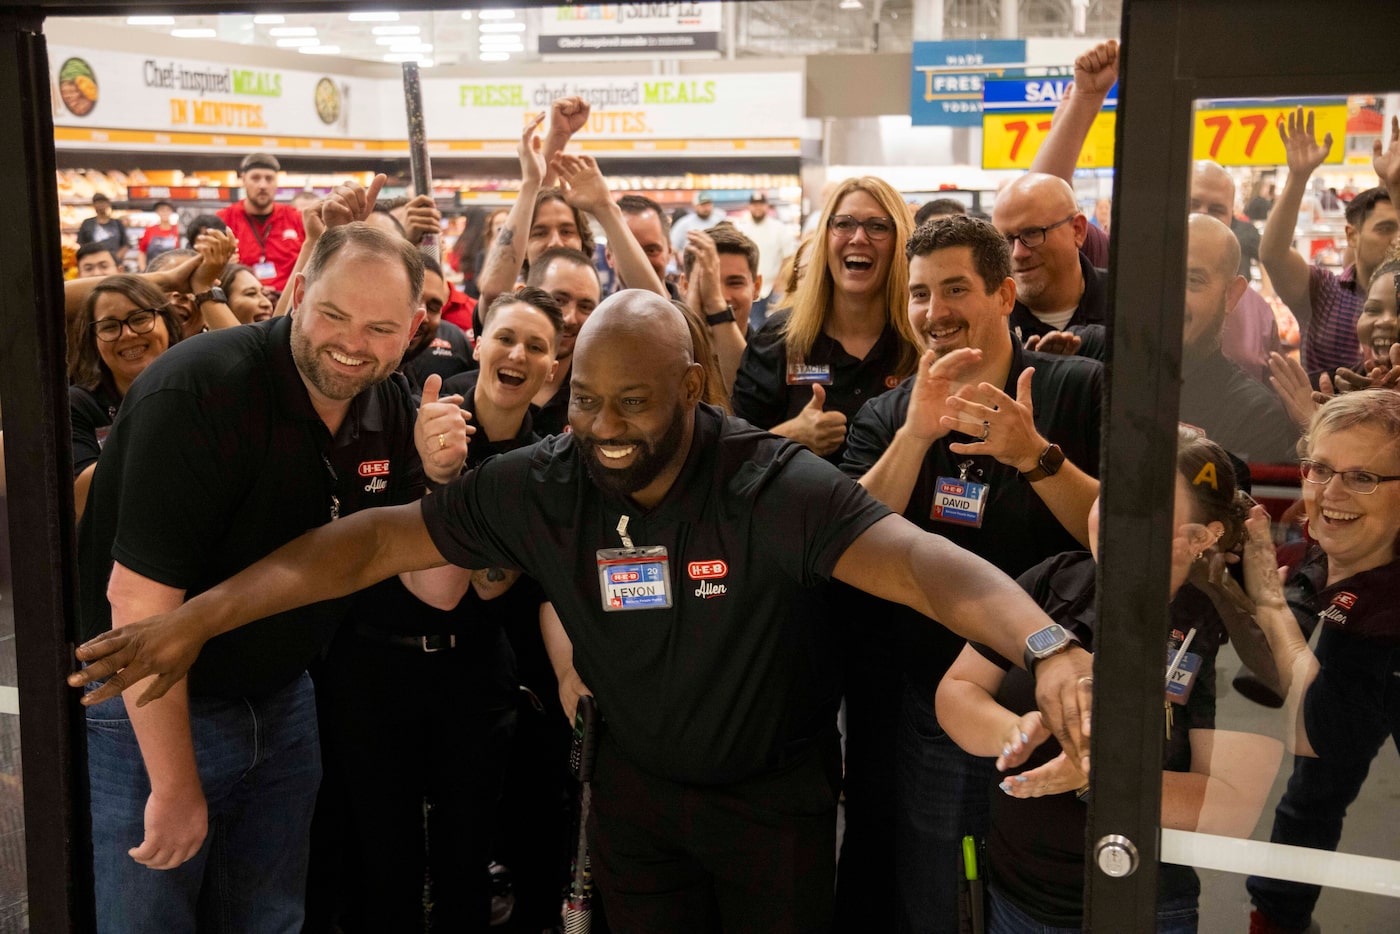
x,y
578,910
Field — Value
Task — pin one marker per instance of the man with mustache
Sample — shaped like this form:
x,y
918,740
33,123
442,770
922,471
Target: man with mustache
x,y
682,549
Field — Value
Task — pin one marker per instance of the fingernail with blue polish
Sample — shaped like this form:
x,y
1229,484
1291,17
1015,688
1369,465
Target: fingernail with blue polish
x,y
1025,738
1020,778
1006,750
1006,787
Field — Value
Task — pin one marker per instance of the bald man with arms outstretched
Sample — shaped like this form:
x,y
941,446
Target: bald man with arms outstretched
x,y
1058,291
683,550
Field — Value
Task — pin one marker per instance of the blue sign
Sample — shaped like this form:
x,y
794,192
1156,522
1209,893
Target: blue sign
x,y
1032,94
946,87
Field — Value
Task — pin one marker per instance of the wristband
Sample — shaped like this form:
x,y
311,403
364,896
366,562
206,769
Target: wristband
x,y
721,317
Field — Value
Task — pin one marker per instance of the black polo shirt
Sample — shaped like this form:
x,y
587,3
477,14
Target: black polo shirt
x,y
1018,530
482,446
92,412
552,418
217,458
743,671
1240,414
1095,308
447,354
762,394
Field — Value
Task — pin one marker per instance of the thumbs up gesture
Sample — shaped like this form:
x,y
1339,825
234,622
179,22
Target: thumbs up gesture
x,y
441,433
821,431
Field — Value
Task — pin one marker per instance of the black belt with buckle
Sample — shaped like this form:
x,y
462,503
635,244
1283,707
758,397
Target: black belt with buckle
x,y
433,643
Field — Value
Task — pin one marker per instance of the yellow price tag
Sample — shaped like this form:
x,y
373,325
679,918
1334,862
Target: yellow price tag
x,y
1249,135
1011,140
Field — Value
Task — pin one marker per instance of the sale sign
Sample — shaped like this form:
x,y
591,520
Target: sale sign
x,y
1016,117
1245,132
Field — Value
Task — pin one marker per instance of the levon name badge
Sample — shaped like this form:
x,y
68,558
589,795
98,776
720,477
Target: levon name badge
x,y
634,578
959,501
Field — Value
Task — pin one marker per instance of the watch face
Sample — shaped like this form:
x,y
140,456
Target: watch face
x,y
1046,640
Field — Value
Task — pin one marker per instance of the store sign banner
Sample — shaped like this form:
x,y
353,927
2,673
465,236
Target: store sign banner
x,y
675,107
1245,132
649,28
156,92
1016,118
948,76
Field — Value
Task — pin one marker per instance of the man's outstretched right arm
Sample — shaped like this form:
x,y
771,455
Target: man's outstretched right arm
x,y
332,561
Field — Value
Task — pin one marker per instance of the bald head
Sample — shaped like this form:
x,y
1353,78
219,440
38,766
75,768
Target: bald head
x,y
1212,191
1209,238
635,318
1040,212
1036,188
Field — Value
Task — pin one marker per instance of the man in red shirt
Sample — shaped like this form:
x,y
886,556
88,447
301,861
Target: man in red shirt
x,y
269,235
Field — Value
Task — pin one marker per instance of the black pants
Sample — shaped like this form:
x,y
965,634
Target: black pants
x,y
751,856
404,728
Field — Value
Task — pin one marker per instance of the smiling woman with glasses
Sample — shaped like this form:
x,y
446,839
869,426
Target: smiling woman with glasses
x,y
123,326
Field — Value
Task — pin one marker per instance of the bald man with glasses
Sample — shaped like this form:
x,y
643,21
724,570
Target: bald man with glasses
x,y
1062,300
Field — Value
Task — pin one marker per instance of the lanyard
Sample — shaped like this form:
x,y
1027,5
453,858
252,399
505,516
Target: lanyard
x,y
335,483
259,234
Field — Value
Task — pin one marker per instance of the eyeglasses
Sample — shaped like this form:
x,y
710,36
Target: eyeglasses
x,y
1358,481
1033,237
876,228
141,321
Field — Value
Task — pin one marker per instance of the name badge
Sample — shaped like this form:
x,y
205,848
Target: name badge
x,y
265,270
634,578
807,374
1183,677
959,501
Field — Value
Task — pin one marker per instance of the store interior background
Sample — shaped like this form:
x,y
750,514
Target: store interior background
x,y
827,86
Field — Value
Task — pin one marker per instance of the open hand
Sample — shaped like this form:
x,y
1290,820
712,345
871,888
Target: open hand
x,y
1066,343
583,183
1305,153
164,645
349,202
1005,427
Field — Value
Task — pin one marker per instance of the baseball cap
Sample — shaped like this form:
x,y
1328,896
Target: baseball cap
x,y
259,160
704,198
100,197
758,197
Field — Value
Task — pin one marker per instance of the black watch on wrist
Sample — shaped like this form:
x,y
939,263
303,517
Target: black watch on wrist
x,y
215,294
1043,643
1051,460
721,317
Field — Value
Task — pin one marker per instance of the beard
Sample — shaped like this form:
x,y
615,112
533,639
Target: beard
x,y
330,383
645,467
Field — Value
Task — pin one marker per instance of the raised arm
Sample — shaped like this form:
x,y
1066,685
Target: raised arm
x,y
1387,161
505,257
705,295
894,560
1094,74
346,203
586,189
1288,271
172,279
215,248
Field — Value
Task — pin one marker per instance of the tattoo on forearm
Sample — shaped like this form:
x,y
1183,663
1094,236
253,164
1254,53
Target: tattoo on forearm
x,y
495,575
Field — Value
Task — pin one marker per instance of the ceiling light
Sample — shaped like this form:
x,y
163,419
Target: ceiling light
x,y
501,42
394,31
387,16
495,56
320,50
292,31
269,19
851,5
466,14
497,14
150,21
297,42
193,33
501,27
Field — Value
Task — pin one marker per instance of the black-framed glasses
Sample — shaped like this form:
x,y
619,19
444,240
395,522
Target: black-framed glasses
x,y
141,321
1358,481
845,227
1033,237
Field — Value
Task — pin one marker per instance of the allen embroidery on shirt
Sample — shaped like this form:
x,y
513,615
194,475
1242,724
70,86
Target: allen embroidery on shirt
x,y
706,572
377,471
1336,612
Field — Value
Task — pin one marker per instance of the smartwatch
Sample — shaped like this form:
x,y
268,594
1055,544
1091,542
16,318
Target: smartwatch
x,y
1043,643
721,317
1051,460
215,294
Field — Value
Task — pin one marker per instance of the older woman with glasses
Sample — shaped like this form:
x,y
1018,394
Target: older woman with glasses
x,y
124,324
847,336
1346,695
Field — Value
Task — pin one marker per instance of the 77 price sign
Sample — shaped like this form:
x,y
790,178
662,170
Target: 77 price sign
x,y
1245,133
1011,140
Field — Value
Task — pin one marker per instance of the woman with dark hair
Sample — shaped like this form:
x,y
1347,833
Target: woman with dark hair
x,y
245,294
847,337
124,324
1213,781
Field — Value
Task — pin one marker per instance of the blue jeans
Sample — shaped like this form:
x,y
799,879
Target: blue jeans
x,y
1174,916
260,765
942,796
1350,710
